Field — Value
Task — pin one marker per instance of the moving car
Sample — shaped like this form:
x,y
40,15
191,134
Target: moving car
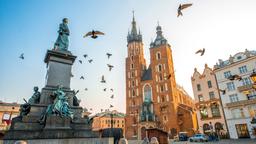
x,y
199,138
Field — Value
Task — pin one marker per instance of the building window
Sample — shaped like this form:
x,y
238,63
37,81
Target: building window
x,y
132,66
198,87
133,92
133,83
215,110
159,67
165,118
211,95
209,84
252,110
147,93
237,113
158,55
200,98
158,99
204,113
231,86
246,81
227,74
161,88
233,98
132,58
133,74
242,69
162,99
160,77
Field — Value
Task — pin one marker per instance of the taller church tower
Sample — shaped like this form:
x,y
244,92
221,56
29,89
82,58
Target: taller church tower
x,y
135,65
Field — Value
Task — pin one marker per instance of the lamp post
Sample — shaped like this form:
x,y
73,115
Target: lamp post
x,y
253,78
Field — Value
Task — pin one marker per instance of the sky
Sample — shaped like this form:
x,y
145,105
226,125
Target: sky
x,y
222,27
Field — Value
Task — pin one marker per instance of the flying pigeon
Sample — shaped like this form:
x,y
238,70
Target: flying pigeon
x,y
90,61
71,75
111,106
85,55
86,89
104,89
90,109
201,51
82,77
169,76
223,91
93,34
181,7
22,56
112,96
110,67
80,61
103,79
109,55
235,77
112,89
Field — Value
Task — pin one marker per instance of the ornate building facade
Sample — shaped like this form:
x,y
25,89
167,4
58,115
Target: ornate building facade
x,y
153,99
210,115
239,101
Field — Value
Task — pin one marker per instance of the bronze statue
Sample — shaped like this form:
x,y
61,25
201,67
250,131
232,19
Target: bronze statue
x,y
62,41
35,98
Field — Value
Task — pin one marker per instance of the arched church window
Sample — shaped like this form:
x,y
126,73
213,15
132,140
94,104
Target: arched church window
x,y
133,92
147,93
158,55
160,67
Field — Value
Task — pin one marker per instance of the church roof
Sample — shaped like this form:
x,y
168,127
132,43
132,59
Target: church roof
x,y
147,75
160,40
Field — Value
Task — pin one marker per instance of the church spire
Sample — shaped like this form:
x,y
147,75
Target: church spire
x,y
133,35
159,37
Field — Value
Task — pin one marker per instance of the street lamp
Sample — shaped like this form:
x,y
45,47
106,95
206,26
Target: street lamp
x,y
253,77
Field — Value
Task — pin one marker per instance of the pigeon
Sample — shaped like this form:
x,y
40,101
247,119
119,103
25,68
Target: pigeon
x,y
111,106
168,77
103,80
109,55
201,51
71,75
223,91
112,96
85,55
90,109
82,77
90,61
112,89
110,67
22,56
86,89
93,34
76,92
80,61
235,77
181,7
104,89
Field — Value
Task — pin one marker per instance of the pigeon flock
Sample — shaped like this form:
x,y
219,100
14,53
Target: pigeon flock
x,y
95,34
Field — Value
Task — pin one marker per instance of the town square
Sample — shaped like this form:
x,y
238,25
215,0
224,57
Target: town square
x,y
127,72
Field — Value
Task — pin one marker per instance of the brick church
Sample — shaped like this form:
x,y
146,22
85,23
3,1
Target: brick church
x,y
153,99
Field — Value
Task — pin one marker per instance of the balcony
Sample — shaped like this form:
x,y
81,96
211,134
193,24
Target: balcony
x,y
241,103
245,88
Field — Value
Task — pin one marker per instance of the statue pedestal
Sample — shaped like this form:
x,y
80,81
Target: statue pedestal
x,y
59,65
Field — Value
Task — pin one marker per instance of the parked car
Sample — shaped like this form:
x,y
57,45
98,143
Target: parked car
x,y
183,136
199,138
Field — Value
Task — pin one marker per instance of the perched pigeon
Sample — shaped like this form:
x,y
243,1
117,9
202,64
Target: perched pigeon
x,y
93,34
90,61
82,77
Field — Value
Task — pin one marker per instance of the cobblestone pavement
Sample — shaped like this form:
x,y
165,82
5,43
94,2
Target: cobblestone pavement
x,y
239,141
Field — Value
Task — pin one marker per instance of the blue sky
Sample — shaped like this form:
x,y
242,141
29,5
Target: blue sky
x,y
223,27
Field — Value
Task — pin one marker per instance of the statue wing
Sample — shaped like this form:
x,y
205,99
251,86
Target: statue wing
x,y
99,33
88,34
185,6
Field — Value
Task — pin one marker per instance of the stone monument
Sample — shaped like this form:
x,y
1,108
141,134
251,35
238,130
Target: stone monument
x,y
54,114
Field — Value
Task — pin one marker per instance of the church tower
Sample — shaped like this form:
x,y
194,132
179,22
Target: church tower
x,y
135,64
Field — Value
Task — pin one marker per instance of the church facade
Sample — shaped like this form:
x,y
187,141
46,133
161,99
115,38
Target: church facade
x,y
153,99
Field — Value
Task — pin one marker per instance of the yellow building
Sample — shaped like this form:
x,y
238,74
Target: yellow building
x,y
7,112
102,121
